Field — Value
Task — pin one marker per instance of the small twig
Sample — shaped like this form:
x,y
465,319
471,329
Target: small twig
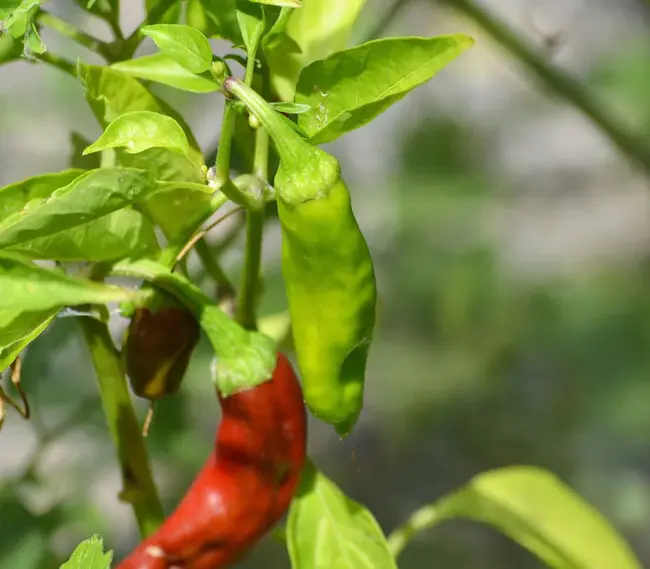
x,y
69,30
201,234
139,488
58,62
560,83
16,371
24,411
246,308
148,419
225,289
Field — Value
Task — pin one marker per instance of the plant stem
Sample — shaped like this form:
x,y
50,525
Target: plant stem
x,y
68,30
138,485
559,82
387,19
247,302
222,164
222,167
113,21
421,520
58,62
108,158
225,288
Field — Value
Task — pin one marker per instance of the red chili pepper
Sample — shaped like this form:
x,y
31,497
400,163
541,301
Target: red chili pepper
x,y
245,486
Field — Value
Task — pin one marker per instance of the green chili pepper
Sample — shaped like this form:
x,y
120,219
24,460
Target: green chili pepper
x,y
327,268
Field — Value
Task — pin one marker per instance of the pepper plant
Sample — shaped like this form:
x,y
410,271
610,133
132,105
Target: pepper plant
x,y
143,195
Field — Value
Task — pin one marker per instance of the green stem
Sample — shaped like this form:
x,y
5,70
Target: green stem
x,y
138,485
108,158
307,172
222,164
58,62
68,30
421,520
562,84
112,20
225,288
250,62
247,302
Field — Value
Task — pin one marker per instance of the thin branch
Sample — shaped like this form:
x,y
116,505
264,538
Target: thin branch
x,y
59,62
70,31
248,292
201,234
225,289
138,485
559,82
15,373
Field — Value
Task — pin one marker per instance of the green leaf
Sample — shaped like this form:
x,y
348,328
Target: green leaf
x,y
325,528
171,16
101,8
281,3
244,358
139,130
215,18
18,16
255,21
535,509
16,196
34,43
30,288
290,108
123,233
350,88
252,21
279,25
7,7
10,48
90,196
111,94
185,44
18,329
313,32
163,69
179,207
89,554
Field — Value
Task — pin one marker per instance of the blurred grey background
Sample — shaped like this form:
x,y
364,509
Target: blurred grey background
x,y
512,246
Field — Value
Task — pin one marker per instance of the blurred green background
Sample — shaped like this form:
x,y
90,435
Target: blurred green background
x,y
511,242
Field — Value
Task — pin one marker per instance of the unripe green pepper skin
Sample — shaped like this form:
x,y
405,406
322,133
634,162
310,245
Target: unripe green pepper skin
x,y
331,292
327,269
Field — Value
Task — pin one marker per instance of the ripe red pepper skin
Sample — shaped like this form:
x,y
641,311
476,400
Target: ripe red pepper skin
x,y
244,487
